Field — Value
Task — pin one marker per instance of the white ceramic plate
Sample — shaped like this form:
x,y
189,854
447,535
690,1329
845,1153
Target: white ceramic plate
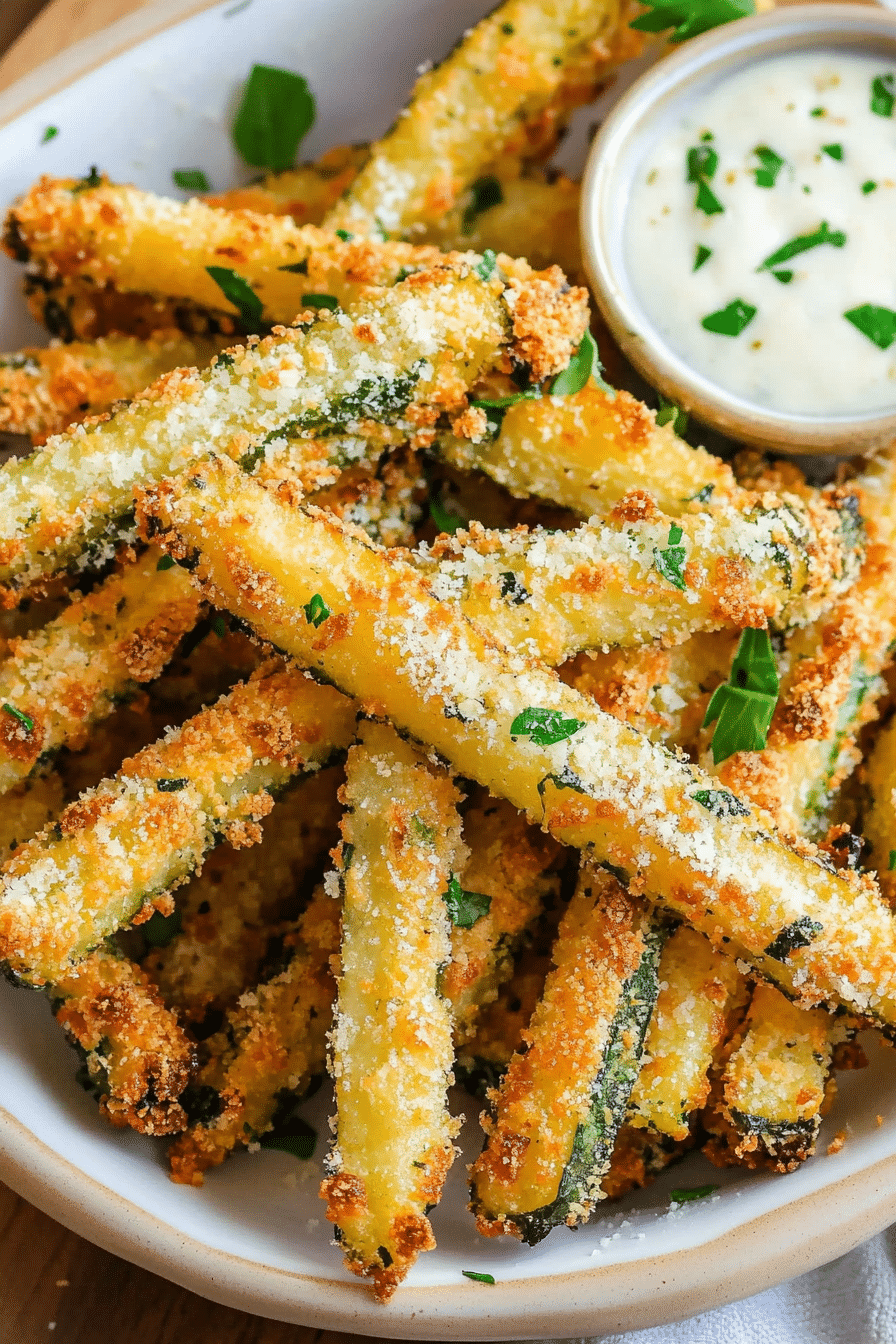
x,y
254,1237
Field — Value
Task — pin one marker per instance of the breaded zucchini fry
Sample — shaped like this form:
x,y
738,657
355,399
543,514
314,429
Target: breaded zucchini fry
x,y
137,1057
42,391
535,218
588,451
269,1053
117,852
517,869
229,915
775,1085
72,309
503,94
701,993
639,1157
73,672
509,724
879,822
562,1100
830,681
640,576
404,356
498,1029
392,1035
306,192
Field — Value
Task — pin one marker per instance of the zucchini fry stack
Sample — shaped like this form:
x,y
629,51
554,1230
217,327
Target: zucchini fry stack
x,y
292,785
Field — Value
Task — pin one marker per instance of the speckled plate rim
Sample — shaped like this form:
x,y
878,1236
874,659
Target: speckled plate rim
x,y
790,1240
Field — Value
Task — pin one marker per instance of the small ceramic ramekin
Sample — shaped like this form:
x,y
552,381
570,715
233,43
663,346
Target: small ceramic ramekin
x,y
616,155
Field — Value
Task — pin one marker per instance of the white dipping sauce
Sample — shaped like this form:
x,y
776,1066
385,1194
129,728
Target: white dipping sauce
x,y
798,353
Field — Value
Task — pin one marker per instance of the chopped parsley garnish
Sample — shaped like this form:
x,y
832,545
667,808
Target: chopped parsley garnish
x,y
276,113
702,163
868,187
792,937
804,242
883,95
300,1142
772,163
670,562
689,18
219,626
696,1192
24,719
444,519
190,179
878,324
783,277
732,320
166,562
544,726
670,414
93,179
423,832
465,908
512,589
344,235
472,1273
485,269
701,256
328,301
502,403
584,364
171,785
49,134
818,112
720,803
891,866
484,193
833,151
316,611
160,930
703,495
296,267
238,292
745,703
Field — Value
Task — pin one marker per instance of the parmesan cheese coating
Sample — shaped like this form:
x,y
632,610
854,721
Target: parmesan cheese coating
x,y
641,576
593,783
547,1093
43,391
306,192
272,1047
504,93
410,351
391,1048
118,850
57,683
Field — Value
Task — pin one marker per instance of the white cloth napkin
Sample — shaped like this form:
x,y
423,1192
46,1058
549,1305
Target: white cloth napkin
x,y
851,1301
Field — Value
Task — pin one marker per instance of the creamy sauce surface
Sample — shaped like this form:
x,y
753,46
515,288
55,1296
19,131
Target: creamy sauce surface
x,y
829,164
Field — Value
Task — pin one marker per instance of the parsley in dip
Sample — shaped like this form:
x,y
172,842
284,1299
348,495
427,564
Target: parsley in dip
x,y
793,304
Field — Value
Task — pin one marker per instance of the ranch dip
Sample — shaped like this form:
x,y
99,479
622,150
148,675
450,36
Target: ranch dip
x,y
761,233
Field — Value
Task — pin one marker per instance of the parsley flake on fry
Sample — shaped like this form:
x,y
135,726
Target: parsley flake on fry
x,y
544,726
742,707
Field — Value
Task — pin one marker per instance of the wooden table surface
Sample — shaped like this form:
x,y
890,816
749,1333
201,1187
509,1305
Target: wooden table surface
x,y
55,1286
